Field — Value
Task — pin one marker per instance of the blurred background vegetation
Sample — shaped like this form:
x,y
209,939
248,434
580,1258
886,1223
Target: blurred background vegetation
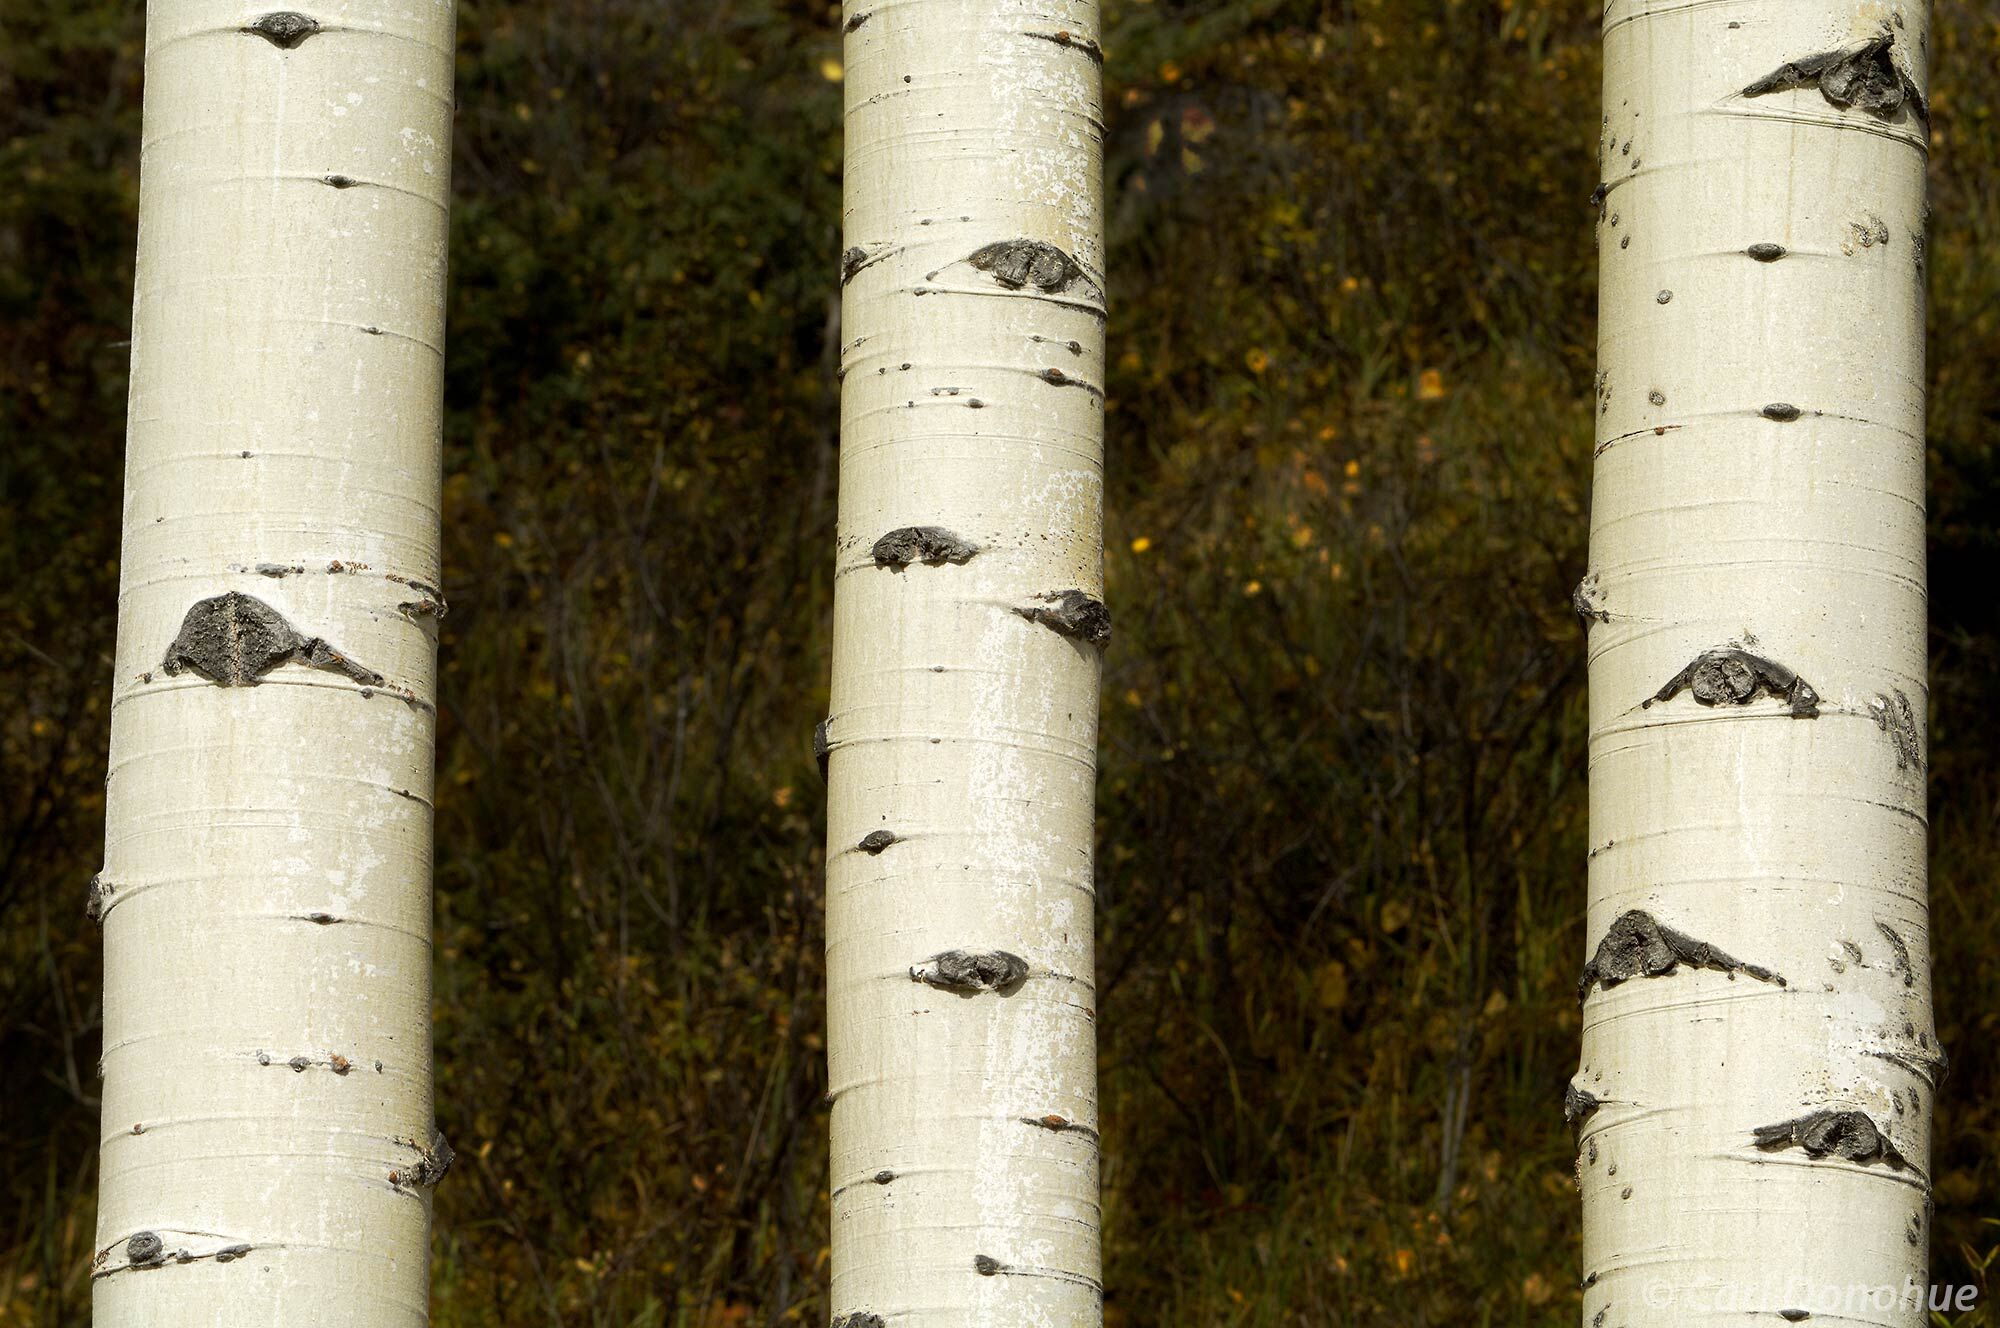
x,y
1341,837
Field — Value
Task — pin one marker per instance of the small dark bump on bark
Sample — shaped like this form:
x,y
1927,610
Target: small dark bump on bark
x,y
1072,41
875,841
1578,1104
884,1176
1849,1135
1728,676
96,899
1664,297
852,262
340,181
1895,717
858,1319
1766,252
1638,946
933,546
284,29
231,1253
1901,950
144,1248
986,1265
1795,1316
299,1064
1584,599
1784,412
969,972
321,919
822,749
857,20
1074,614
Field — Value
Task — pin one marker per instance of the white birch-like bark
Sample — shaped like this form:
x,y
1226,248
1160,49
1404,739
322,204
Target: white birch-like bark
x,y
1759,1059
268,1139
968,624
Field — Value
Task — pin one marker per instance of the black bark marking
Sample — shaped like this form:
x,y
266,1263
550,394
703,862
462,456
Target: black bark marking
x,y
1869,233
986,1265
850,26
300,1064
1728,676
278,571
1894,716
234,640
144,1248
1865,77
1073,42
1585,599
1766,252
970,972
822,748
1073,614
1850,1135
431,1165
1019,263
97,899
1055,1124
875,841
231,1253
284,29
1901,951
852,262
933,546
1795,1316
1638,946
883,1177
427,607
1579,1104
858,1319
1784,412
339,181
1664,297
318,919
1057,378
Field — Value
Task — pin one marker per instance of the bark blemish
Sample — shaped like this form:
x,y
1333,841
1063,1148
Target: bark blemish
x,y
1072,41
857,20
233,640
1020,263
98,898
1766,252
1638,946
1587,600
1865,77
318,919
970,972
875,841
1729,676
1073,614
1664,297
986,1265
1579,1104
1894,716
858,1319
883,1177
933,546
278,571
1795,1316
144,1248
339,181
1784,412
822,748
1849,1135
284,29
431,1165
1900,949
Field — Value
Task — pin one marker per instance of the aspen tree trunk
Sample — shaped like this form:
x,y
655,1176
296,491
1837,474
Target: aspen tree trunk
x,y
1759,1060
968,626
268,1142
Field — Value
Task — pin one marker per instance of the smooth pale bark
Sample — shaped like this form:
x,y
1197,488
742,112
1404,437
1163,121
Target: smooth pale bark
x,y
268,1141
962,733
1758,489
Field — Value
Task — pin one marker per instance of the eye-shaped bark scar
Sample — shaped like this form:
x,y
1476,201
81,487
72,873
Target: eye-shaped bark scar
x,y
234,640
1728,676
933,546
1017,264
1865,77
284,29
1639,946
1074,614
969,972
1849,1135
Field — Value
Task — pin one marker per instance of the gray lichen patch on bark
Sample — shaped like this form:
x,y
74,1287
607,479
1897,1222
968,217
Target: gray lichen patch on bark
x,y
970,972
875,841
932,546
1017,264
1865,77
284,28
234,640
1849,1135
1730,676
143,1248
1074,614
1637,945
1895,717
